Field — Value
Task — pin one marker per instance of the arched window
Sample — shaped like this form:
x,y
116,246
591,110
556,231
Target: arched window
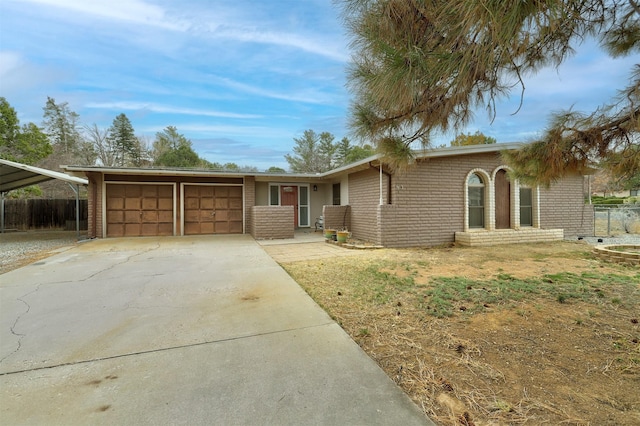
x,y
475,188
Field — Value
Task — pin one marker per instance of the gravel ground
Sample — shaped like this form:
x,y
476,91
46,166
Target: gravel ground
x,y
615,239
22,248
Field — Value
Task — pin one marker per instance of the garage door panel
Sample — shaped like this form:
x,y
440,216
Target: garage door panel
x,y
222,228
192,203
133,229
132,216
139,210
115,203
149,217
165,217
213,211
133,191
206,216
235,227
165,191
116,230
207,203
235,204
165,204
132,203
207,228
115,216
222,203
149,204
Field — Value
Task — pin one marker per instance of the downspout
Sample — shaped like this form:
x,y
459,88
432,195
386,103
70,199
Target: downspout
x,y
388,186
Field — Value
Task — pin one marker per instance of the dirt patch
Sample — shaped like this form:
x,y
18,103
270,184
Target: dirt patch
x,y
521,334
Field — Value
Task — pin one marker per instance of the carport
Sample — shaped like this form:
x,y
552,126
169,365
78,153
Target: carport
x,y
16,175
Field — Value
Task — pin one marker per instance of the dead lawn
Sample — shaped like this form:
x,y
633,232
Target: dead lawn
x,y
520,334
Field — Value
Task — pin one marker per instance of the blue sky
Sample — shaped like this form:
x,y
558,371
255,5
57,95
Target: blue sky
x,y
239,78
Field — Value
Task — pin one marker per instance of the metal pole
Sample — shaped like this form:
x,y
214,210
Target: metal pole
x,y
2,213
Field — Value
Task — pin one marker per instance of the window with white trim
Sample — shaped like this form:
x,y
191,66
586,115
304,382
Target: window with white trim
x,y
475,192
526,206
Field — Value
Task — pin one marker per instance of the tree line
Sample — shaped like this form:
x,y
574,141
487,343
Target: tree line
x,y
62,139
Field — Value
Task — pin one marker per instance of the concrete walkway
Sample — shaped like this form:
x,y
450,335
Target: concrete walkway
x,y
179,330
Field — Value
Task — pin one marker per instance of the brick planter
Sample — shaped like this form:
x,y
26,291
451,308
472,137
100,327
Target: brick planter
x,y
618,253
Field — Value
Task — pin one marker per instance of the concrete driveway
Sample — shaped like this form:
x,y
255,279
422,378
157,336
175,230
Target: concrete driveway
x,y
184,330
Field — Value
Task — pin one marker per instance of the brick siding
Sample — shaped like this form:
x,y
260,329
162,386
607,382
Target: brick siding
x,y
271,222
508,236
429,209
562,206
337,217
364,199
249,202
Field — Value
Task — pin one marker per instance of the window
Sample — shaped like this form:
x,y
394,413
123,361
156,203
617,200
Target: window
x,y
304,206
475,188
526,207
274,195
336,194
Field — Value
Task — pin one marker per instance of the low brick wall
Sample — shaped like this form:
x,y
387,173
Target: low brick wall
x,y
271,222
337,217
617,253
508,236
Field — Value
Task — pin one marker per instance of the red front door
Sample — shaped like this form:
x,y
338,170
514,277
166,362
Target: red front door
x,y
289,197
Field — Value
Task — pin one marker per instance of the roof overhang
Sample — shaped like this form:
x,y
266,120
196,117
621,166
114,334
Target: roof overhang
x,y
363,164
16,175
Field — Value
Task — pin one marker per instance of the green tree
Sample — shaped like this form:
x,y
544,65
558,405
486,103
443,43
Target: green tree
x,y
26,144
305,158
357,153
61,125
274,169
122,140
316,153
172,149
421,67
472,139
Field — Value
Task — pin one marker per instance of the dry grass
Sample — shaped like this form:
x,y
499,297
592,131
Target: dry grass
x,y
532,333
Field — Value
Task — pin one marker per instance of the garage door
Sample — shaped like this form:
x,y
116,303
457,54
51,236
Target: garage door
x,y
212,209
135,210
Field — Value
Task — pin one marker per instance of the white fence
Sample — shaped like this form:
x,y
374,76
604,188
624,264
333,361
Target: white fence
x,y
616,219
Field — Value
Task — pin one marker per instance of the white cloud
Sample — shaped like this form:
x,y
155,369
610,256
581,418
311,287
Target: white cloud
x,y
309,95
163,109
133,11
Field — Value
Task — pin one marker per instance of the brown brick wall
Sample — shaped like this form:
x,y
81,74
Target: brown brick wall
x,y
562,206
272,222
249,202
428,201
337,217
364,199
94,205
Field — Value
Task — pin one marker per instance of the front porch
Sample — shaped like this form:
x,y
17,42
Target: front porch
x,y
483,237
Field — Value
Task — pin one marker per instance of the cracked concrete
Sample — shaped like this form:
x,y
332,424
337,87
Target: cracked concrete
x,y
185,330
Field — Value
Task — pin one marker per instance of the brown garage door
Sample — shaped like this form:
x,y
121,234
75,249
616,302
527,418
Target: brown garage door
x,y
135,210
212,209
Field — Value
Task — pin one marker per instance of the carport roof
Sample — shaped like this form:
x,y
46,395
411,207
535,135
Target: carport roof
x,y
16,175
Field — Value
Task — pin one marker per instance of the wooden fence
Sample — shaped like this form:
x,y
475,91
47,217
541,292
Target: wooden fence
x,y
43,214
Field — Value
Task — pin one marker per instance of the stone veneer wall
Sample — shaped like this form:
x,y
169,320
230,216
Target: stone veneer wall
x,y
271,222
249,202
